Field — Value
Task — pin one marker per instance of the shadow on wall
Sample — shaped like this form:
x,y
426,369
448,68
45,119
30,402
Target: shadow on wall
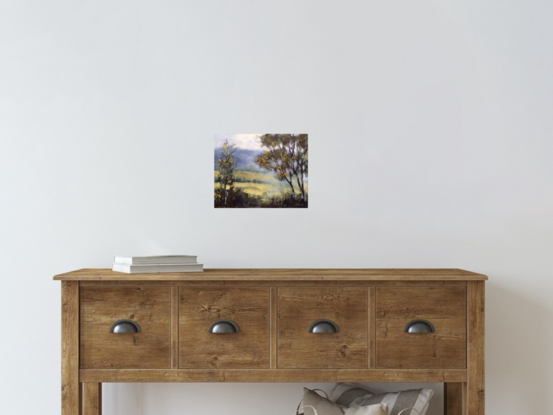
x,y
225,398
517,330
122,399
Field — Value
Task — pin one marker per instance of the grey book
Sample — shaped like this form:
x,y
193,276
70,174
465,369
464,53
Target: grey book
x,y
159,259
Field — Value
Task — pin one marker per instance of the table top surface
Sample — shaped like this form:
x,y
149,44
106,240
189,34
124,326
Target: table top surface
x,y
284,274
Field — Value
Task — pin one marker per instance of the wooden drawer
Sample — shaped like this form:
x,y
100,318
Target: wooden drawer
x,y
444,307
298,308
150,308
248,308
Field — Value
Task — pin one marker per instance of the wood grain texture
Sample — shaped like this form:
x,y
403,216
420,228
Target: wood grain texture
x,y
464,394
475,388
444,307
92,398
272,375
274,328
453,398
70,386
247,307
372,327
251,282
149,307
175,327
278,275
299,307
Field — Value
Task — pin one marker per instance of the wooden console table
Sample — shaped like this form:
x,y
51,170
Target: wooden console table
x,y
273,325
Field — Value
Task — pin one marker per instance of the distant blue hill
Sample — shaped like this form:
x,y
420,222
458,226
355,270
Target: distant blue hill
x,y
245,158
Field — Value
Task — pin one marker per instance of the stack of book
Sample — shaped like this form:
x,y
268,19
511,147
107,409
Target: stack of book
x,y
154,264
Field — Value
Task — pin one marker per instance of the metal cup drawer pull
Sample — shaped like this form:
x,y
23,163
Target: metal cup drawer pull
x,y
419,327
223,327
124,327
323,327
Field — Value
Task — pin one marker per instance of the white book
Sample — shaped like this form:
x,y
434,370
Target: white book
x,y
156,268
160,259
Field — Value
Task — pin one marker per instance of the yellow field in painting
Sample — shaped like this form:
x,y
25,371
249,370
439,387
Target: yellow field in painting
x,y
260,184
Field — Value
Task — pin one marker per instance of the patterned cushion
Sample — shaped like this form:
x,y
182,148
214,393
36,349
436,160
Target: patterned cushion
x,y
351,395
345,393
378,409
325,406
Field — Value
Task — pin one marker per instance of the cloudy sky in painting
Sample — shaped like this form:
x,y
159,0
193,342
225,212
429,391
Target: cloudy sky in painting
x,y
245,141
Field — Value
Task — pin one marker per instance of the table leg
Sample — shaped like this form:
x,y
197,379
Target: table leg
x,y
92,398
475,386
453,398
70,386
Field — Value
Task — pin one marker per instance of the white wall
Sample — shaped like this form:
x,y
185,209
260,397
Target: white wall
x,y
430,135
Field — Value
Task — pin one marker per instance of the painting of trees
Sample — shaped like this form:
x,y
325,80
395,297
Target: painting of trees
x,y
286,156
261,171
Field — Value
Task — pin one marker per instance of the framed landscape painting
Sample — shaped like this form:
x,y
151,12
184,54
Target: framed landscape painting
x,y
261,171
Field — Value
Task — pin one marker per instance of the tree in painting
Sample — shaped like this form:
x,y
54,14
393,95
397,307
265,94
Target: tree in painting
x,y
261,171
227,164
286,156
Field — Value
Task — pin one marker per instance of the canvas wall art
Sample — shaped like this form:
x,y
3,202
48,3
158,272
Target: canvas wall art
x,y
261,171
